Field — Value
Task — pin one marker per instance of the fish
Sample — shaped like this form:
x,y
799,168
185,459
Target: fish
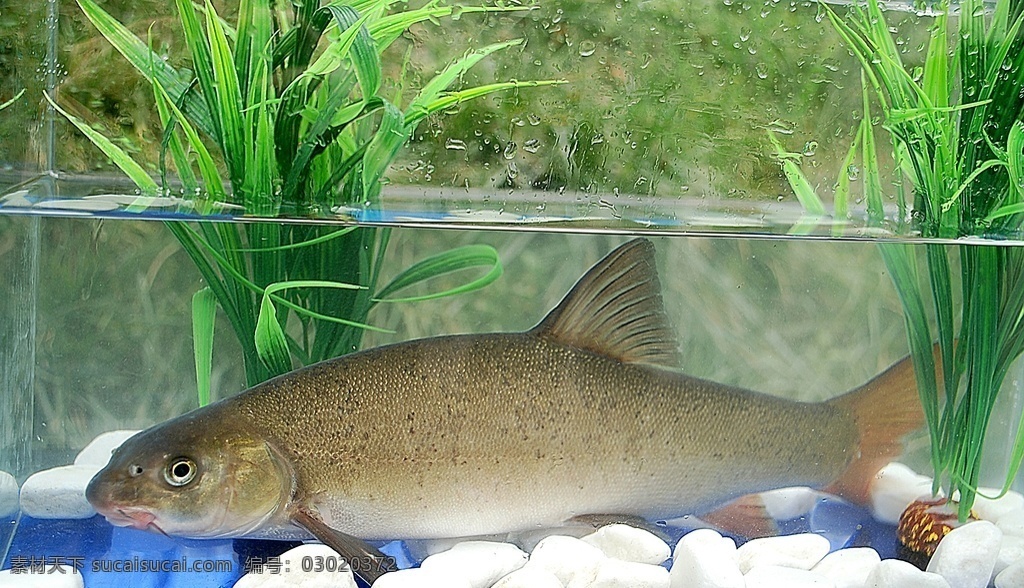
x,y
588,414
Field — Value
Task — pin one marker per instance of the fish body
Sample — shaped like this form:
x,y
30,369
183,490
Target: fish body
x,y
480,434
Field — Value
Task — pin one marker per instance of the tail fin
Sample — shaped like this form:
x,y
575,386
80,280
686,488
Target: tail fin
x,y
884,409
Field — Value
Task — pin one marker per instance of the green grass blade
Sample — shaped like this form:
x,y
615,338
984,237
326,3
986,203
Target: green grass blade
x,y
450,99
805,193
122,160
202,63
227,99
271,343
390,136
453,260
12,100
841,200
869,158
207,167
365,58
204,312
432,90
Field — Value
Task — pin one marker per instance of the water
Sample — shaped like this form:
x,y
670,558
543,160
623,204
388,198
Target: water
x,y
113,351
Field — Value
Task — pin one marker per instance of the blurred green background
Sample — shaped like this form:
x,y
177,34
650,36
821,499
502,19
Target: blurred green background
x,y
666,99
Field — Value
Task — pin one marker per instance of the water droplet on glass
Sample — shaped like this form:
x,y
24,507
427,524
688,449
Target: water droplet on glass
x,y
455,144
597,139
456,12
532,145
587,48
810,148
534,119
762,70
510,150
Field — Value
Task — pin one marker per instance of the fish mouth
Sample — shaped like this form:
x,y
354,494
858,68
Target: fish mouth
x,y
134,517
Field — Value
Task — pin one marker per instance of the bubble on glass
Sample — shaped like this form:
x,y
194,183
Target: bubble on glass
x,y
852,172
455,144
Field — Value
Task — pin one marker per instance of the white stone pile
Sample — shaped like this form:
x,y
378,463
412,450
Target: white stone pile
x,y
989,552
59,493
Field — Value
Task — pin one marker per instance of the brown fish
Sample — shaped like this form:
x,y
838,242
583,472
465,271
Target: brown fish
x,y
481,434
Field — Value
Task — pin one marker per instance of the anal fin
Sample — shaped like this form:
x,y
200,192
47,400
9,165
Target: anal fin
x,y
366,561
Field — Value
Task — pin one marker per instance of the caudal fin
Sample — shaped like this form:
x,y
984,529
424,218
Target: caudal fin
x,y
884,409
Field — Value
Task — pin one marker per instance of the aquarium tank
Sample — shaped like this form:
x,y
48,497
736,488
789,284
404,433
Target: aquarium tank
x,y
511,293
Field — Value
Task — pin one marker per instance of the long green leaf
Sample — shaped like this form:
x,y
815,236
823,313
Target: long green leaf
x,y
227,98
121,159
439,83
453,260
204,311
271,343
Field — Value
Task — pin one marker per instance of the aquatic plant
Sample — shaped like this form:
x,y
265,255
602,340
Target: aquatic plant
x,y
293,99
957,133
12,100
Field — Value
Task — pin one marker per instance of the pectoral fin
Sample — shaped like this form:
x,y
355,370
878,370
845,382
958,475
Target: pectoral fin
x,y
596,521
746,516
366,561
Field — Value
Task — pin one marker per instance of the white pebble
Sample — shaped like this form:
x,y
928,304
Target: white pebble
x,y
629,544
992,509
785,577
967,555
894,488
894,573
419,578
848,568
292,576
705,559
97,452
8,494
1012,523
58,493
786,504
26,580
529,577
800,551
568,558
1011,577
482,563
615,573
1011,551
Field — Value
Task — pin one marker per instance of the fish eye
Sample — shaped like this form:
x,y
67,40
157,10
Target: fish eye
x,y
135,470
180,471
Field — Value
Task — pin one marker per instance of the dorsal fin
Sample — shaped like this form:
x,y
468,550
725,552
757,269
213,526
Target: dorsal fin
x,y
615,310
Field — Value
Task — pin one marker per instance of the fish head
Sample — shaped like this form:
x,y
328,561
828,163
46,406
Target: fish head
x,y
193,477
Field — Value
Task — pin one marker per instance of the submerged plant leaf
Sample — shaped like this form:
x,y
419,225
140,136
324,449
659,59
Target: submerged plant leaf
x,y
271,343
453,260
204,312
12,100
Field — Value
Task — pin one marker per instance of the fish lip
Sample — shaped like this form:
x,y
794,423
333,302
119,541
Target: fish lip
x,y
129,516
